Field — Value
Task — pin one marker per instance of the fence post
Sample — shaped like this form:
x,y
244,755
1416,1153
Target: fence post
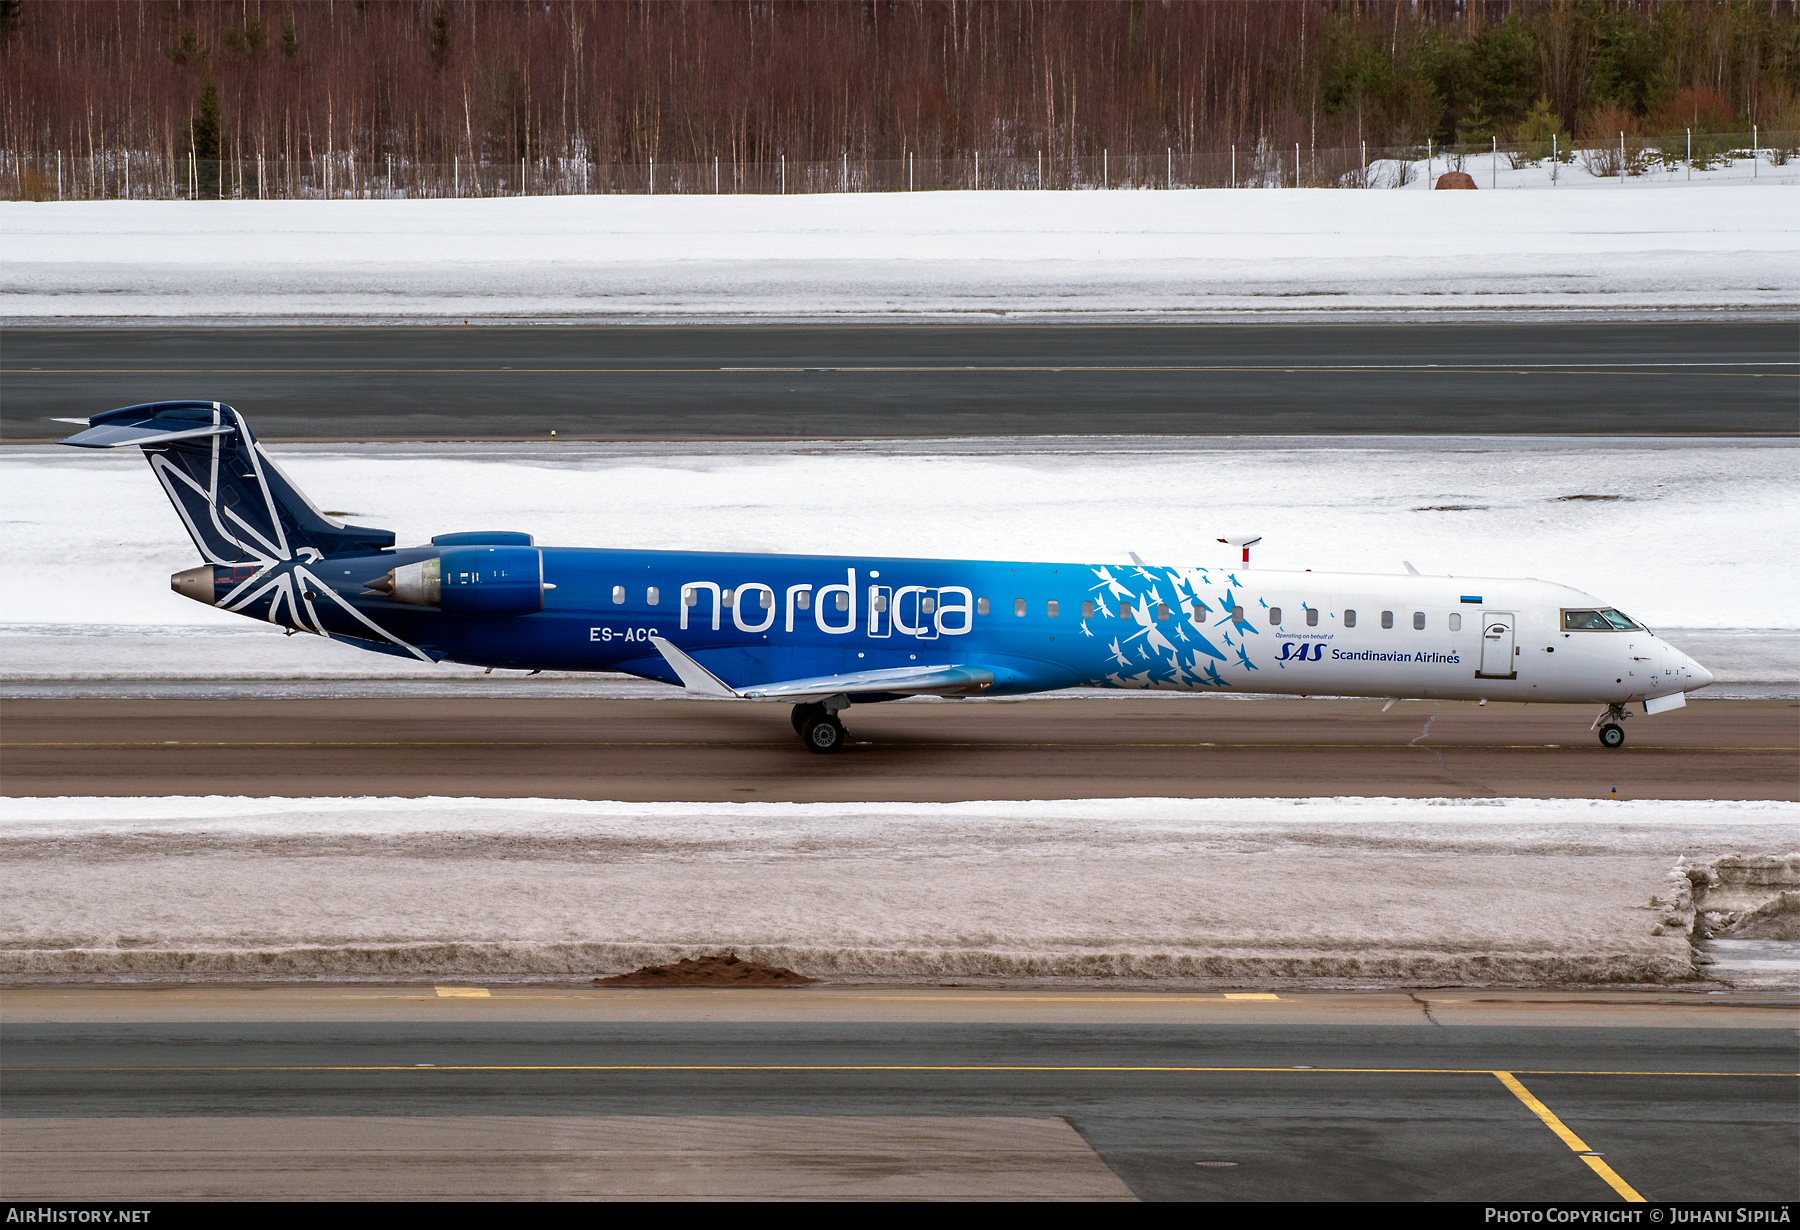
x,y
1105,173
1554,160
59,173
1040,170
846,170
715,175
1296,164
1494,163
784,175
909,170
1755,151
1428,162
456,174
977,187
653,175
1621,160
1170,150
1234,166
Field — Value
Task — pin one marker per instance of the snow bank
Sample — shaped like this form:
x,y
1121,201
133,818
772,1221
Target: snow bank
x,y
1131,254
1271,891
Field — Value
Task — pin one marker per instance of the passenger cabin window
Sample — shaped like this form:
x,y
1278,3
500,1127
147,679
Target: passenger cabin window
x,y
729,597
1312,616
1051,608
1237,614
1349,619
843,602
1418,621
1198,609
1274,614
618,595
1087,610
1162,611
878,600
1019,607
652,596
689,598
927,604
981,606
765,598
804,600
1127,610
1456,621
1387,619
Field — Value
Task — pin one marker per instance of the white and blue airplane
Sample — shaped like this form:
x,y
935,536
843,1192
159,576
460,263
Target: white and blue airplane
x,y
824,632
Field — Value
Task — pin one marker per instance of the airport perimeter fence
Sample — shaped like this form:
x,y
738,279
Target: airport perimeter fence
x,y
165,176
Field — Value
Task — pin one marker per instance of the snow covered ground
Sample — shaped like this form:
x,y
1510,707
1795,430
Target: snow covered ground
x,y
1131,255
1694,535
1262,891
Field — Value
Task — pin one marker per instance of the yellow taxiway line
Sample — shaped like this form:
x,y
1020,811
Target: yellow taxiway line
x,y
1569,1138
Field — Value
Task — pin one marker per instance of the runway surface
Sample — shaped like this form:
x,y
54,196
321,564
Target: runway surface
x,y
701,751
1563,377
564,1090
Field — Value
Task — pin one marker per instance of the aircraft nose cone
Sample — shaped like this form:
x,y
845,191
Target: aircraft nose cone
x,y
1701,676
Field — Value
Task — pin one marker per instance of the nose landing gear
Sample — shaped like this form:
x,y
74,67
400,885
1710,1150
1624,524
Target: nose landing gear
x,y
818,725
1611,733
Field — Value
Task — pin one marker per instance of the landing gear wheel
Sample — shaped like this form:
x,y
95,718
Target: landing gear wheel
x,y
1612,735
804,714
823,735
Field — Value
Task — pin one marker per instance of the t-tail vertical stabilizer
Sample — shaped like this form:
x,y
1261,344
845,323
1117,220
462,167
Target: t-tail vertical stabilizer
x,y
237,504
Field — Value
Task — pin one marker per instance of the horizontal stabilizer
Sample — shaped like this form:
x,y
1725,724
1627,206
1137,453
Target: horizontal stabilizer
x,y
905,680
119,435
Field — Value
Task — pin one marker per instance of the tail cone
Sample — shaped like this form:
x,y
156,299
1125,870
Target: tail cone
x,y
382,584
195,583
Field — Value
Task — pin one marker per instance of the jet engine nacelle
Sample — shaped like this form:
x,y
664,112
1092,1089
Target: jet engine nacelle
x,y
471,582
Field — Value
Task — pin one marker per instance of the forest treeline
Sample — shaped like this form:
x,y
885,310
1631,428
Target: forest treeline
x,y
754,80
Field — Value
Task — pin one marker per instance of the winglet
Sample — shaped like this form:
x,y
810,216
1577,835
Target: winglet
x,y
1410,568
694,677
1134,559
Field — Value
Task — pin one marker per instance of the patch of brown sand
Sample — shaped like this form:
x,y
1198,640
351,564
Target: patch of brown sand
x,y
725,971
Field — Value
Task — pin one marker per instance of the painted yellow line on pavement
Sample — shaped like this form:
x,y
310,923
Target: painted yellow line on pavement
x,y
1569,1138
462,992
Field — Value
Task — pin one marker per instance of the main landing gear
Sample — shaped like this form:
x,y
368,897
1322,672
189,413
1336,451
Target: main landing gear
x,y
1611,733
818,725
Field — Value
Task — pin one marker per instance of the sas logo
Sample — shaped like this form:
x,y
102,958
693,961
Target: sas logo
x,y
1301,651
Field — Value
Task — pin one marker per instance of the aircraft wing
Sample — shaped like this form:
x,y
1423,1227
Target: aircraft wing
x,y
909,680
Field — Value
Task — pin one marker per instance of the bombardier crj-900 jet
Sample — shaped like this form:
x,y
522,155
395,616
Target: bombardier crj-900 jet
x,y
825,632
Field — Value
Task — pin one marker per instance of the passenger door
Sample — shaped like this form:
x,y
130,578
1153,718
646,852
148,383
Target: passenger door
x,y
1498,649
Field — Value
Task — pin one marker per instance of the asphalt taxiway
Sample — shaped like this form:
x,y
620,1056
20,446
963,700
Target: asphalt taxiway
x,y
703,751
842,1092
1556,377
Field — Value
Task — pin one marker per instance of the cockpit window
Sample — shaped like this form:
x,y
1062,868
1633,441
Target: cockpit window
x,y
1607,620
